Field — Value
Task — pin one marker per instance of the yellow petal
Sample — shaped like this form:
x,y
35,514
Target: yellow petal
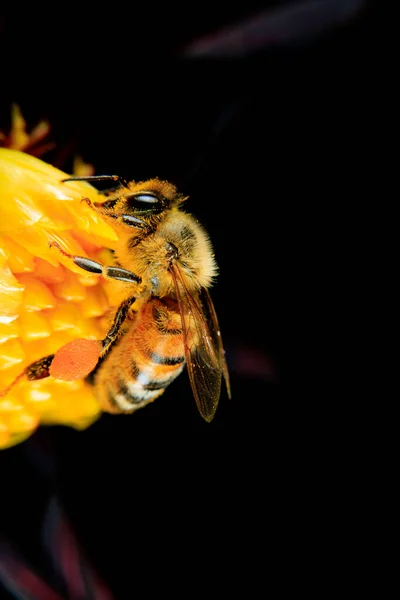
x,y
34,326
70,289
37,295
22,420
19,260
96,303
11,293
11,354
47,272
9,331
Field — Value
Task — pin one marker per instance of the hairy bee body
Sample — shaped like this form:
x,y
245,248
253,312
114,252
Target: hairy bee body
x,y
147,358
169,324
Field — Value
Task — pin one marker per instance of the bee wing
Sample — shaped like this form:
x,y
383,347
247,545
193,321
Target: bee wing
x,y
203,347
211,317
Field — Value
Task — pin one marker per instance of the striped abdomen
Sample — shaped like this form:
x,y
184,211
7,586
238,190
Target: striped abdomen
x,y
145,361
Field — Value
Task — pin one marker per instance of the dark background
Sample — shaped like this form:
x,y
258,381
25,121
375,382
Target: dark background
x,y
267,140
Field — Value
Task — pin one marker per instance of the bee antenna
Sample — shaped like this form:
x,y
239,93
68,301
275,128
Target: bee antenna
x,y
94,178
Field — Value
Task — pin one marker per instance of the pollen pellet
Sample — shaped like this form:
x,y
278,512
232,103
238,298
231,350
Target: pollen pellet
x,y
76,359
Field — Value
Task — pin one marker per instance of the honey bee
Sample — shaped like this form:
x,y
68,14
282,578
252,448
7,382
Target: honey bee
x,y
167,319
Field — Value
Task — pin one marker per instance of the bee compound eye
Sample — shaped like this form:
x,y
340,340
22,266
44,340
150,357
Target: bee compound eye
x,y
146,198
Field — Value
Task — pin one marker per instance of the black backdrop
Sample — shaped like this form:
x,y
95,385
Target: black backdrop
x,y
262,142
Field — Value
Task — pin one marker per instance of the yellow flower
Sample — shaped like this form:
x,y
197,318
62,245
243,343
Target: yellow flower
x,y
45,301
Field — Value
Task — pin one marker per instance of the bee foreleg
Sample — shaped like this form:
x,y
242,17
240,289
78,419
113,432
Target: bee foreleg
x,y
119,318
40,369
106,210
87,264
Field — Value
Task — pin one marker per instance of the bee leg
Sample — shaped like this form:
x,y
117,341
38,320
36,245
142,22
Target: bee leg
x,y
87,264
115,328
40,369
106,209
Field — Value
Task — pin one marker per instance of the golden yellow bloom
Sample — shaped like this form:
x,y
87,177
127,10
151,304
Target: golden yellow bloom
x,y
45,301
